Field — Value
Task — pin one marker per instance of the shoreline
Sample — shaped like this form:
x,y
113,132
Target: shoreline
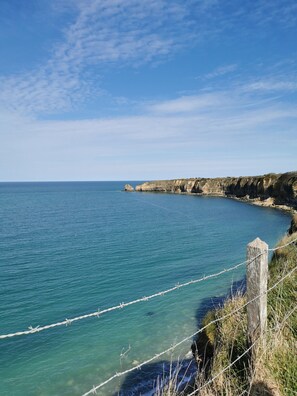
x,y
277,191
256,202
289,207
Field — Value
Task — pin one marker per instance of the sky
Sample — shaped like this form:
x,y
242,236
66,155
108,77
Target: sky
x,y
147,89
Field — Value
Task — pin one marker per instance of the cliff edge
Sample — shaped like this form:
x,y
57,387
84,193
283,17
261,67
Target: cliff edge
x,y
275,190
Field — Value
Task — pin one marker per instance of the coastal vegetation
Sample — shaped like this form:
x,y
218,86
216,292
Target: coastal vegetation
x,y
273,370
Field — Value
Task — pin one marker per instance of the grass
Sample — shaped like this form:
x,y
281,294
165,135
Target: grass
x,y
274,370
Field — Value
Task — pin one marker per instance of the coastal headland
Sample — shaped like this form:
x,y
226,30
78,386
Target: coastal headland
x,y
272,190
273,370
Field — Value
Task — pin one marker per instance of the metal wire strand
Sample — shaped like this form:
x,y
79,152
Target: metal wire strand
x,y
122,305
239,357
282,246
139,366
98,313
224,369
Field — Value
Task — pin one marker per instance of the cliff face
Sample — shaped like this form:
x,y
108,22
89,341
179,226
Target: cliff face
x,y
268,190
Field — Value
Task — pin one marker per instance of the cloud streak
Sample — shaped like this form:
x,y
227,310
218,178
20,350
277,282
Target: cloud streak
x,y
104,33
271,86
221,71
237,137
120,33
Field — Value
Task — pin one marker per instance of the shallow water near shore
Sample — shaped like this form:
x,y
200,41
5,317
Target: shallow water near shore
x,y
72,248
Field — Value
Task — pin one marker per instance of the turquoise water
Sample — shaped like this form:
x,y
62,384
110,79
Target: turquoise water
x,y
71,248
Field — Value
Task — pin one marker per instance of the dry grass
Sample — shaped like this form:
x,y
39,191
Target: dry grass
x,y
274,371
179,380
229,338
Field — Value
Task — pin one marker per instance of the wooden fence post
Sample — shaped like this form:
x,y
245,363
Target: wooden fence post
x,y
256,274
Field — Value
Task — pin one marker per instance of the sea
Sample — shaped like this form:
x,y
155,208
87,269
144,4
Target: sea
x,y
73,248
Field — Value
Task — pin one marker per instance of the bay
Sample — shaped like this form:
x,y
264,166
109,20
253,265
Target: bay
x,y
72,248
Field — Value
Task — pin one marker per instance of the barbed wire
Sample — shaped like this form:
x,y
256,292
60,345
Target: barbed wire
x,y
122,305
224,369
171,348
245,392
282,246
277,327
98,313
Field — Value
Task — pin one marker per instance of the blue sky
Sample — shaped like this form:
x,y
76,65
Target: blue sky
x,y
140,90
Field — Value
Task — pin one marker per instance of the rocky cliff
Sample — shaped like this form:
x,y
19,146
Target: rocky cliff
x,y
278,190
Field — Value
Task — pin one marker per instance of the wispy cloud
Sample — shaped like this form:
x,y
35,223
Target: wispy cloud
x,y
190,104
221,71
282,14
271,86
119,32
47,90
171,139
106,33
126,31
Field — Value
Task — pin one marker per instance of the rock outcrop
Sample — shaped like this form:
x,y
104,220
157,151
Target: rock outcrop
x,y
128,187
279,190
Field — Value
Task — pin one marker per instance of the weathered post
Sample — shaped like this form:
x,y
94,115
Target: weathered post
x,y
256,274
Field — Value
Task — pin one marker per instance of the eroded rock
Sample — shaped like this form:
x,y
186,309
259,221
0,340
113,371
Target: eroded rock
x,y
128,187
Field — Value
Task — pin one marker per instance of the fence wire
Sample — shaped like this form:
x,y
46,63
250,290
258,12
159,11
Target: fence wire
x,y
282,246
171,348
224,369
278,327
98,313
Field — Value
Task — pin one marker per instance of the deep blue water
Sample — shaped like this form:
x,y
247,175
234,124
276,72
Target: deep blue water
x,y
72,248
